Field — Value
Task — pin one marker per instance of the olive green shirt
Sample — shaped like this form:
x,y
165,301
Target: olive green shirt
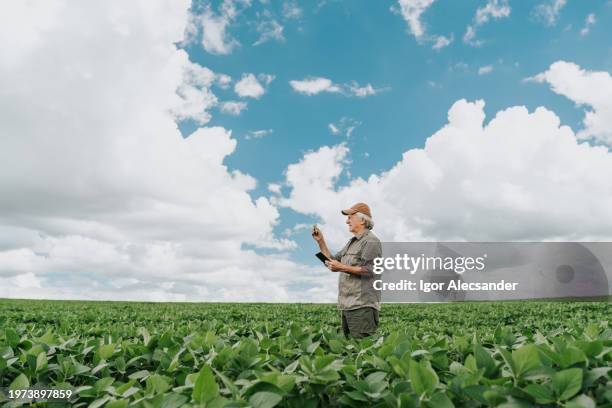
x,y
356,291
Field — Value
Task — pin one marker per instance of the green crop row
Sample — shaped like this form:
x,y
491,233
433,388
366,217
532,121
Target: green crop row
x,y
504,354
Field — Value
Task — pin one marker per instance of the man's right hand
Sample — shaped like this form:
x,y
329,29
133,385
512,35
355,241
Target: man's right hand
x,y
317,235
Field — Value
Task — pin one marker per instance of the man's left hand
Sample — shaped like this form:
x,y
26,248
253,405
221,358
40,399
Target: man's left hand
x,y
334,265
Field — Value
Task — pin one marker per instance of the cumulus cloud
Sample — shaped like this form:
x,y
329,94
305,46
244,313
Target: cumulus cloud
x,y
195,93
274,188
223,80
315,85
494,9
250,86
521,176
411,11
585,88
549,11
214,26
234,108
112,202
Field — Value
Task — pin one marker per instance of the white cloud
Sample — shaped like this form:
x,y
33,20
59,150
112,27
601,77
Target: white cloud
x,y
266,78
442,41
214,27
112,202
315,85
223,80
345,126
584,88
234,108
215,39
411,11
487,69
291,10
249,85
362,91
194,90
258,134
589,21
549,11
268,30
522,176
494,9
274,188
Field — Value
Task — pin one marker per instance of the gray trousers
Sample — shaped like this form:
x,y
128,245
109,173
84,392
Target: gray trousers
x,y
360,322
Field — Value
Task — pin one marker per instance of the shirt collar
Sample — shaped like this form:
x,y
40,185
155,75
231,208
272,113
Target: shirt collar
x,y
363,234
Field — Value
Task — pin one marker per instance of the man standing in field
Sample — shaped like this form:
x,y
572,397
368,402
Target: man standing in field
x,y
358,301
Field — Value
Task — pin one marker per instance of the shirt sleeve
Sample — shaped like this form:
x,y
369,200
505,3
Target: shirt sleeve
x,y
338,256
371,250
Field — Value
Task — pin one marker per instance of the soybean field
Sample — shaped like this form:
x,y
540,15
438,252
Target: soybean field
x,y
472,354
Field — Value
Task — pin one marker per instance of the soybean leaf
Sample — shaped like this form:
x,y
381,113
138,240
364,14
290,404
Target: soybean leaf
x,y
205,387
20,382
567,383
264,399
423,378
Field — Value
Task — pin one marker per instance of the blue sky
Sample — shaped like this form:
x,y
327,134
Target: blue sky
x,y
368,43
175,151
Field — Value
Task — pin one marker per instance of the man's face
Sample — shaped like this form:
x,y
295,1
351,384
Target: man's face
x,y
354,223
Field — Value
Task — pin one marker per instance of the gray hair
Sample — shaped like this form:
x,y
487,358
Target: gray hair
x,y
369,224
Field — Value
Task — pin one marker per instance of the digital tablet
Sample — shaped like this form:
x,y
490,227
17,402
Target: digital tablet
x,y
322,257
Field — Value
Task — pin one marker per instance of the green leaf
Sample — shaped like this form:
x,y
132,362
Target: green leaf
x,y
423,378
264,399
484,360
106,351
375,377
102,384
157,384
173,400
41,361
525,359
570,356
228,383
99,402
117,404
567,383
440,400
12,338
139,374
20,382
357,395
205,387
48,338
541,393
